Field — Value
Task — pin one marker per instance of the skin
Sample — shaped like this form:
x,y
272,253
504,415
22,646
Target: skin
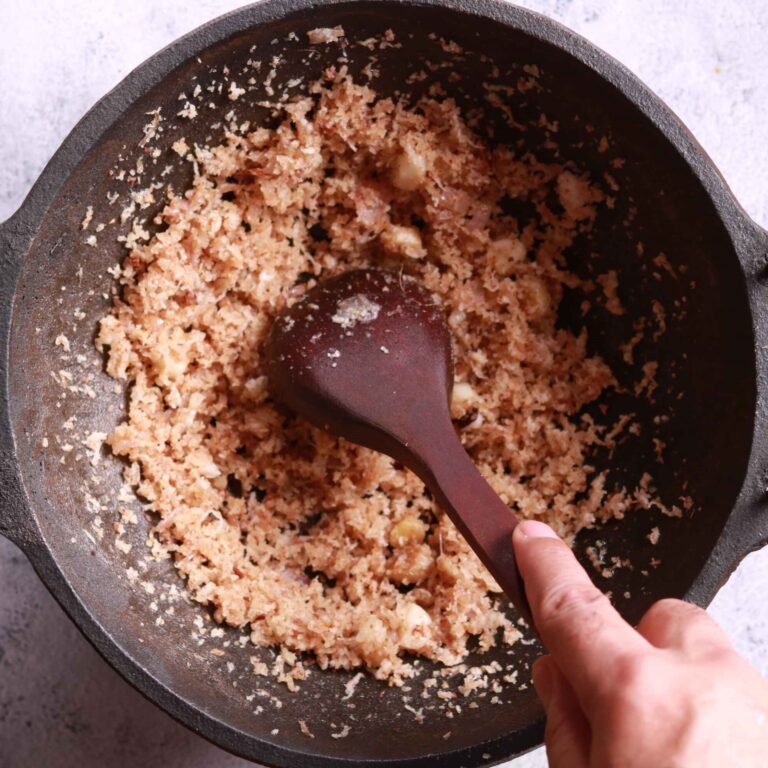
x,y
672,693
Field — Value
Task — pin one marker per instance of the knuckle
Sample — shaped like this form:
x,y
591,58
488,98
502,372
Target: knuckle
x,y
669,608
721,656
660,609
634,673
658,615
563,600
674,623
630,688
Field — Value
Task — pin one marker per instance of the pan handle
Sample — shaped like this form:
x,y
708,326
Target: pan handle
x,y
746,529
749,527
16,521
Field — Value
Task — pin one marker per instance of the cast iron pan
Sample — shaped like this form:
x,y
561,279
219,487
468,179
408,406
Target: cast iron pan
x,y
712,364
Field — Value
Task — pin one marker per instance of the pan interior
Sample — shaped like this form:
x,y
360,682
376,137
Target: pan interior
x,y
705,376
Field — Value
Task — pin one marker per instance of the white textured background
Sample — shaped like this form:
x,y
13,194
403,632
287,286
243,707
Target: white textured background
x,y
60,705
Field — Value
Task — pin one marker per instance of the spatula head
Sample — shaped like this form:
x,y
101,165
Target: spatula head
x,y
366,355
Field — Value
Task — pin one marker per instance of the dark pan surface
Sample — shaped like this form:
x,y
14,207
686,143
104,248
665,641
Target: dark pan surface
x,y
706,383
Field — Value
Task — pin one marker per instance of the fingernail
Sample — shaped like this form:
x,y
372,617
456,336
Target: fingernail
x,y
543,680
534,529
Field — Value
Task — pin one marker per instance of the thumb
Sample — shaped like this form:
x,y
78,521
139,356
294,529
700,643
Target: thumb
x,y
567,734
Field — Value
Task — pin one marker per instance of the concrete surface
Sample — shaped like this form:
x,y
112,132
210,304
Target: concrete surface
x,y
60,705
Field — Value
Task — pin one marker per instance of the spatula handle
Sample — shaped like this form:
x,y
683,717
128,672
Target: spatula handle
x,y
485,521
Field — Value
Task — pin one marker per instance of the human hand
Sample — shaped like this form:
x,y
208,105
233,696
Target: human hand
x,y
671,694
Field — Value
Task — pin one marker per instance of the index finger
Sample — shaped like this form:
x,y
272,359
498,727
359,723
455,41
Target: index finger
x,y
583,632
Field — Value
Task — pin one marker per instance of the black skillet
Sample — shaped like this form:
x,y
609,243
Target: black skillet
x,y
712,363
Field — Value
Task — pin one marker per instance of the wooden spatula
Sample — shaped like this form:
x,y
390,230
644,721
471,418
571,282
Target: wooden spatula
x,y
367,355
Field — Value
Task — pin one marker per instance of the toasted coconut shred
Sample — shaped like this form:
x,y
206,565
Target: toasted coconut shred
x,y
317,545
